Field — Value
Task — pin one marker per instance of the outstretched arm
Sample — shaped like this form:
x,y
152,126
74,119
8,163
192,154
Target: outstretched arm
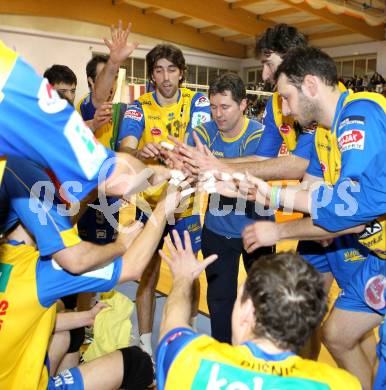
x,y
120,50
185,269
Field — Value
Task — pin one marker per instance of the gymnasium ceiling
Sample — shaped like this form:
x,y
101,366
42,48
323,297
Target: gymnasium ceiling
x,y
226,27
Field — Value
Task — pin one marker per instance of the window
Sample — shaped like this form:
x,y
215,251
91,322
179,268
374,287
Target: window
x,y
138,70
202,77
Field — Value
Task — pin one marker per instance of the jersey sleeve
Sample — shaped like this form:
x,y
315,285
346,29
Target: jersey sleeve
x,y
168,348
133,123
203,135
303,145
271,140
86,108
36,124
33,201
360,135
199,112
54,282
314,168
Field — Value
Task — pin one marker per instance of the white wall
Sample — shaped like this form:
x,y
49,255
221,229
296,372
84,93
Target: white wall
x,y
362,48
45,41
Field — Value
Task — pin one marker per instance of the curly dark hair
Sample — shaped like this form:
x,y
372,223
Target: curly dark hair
x,y
289,299
303,61
229,82
171,53
279,39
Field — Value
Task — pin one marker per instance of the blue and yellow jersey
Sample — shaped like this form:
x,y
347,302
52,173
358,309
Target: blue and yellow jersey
x,y
148,121
187,360
353,149
28,195
29,288
87,110
278,129
226,216
45,128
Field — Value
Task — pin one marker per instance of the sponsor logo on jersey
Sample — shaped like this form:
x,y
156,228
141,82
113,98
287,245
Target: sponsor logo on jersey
x,y
89,153
352,120
198,118
146,102
49,100
154,117
173,337
170,116
3,311
351,139
134,114
323,166
156,131
202,101
370,229
285,128
5,272
374,292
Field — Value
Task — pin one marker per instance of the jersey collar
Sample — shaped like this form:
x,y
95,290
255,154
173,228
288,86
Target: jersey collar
x,y
259,353
338,108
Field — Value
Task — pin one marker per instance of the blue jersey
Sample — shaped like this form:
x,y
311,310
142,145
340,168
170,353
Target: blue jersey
x,y
187,360
35,123
225,216
28,195
360,128
272,138
86,108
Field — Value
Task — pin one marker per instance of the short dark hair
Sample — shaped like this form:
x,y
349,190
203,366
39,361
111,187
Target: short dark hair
x,y
289,299
279,39
309,60
91,66
171,53
60,74
229,82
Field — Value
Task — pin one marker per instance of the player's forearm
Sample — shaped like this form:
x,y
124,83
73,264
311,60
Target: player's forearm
x,y
304,229
104,83
286,167
125,176
242,160
72,320
141,251
86,256
178,306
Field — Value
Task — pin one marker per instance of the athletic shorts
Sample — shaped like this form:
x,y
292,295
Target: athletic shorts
x,y
69,379
345,255
366,290
191,224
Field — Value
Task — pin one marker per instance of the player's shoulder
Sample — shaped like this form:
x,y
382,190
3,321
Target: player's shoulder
x,y
254,125
198,99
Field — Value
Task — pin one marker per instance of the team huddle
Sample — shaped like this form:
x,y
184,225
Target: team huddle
x,y
63,175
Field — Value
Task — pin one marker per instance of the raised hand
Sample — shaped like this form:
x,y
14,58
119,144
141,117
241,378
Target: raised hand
x,y
119,48
182,261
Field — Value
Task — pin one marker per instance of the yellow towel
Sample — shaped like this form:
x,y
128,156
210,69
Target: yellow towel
x,y
112,326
